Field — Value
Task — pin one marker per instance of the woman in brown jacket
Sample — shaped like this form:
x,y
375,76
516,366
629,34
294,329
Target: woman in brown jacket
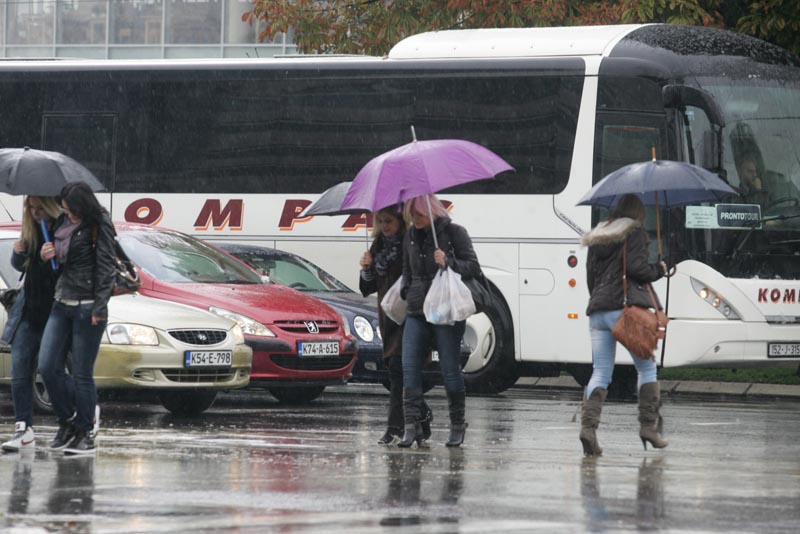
x,y
381,266
624,228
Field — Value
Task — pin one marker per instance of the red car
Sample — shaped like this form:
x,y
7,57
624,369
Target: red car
x,y
300,344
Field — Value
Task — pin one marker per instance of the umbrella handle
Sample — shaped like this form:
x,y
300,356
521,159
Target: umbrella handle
x,y
433,226
46,235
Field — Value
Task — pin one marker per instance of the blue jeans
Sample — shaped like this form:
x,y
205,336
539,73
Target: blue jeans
x,y
24,350
604,348
70,329
418,338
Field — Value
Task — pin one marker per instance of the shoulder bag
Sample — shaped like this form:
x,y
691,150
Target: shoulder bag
x,y
639,329
126,279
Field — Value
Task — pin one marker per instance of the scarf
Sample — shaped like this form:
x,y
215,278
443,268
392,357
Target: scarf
x,y
389,253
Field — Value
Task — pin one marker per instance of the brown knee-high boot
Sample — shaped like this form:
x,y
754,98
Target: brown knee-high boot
x,y
590,419
649,418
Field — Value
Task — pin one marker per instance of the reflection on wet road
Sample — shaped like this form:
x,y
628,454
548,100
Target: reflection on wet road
x,y
250,464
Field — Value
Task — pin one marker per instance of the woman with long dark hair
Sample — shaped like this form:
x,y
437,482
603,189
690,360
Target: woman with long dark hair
x,y
83,245
381,266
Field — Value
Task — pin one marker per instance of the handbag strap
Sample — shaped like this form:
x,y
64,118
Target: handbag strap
x,y
625,279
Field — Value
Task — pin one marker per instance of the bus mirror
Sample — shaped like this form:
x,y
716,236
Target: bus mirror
x,y
680,96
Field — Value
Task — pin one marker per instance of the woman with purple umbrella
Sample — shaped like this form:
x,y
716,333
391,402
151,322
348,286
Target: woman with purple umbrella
x,y
422,259
381,266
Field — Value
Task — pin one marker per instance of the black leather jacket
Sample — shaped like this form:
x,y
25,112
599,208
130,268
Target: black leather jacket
x,y
604,266
419,267
88,273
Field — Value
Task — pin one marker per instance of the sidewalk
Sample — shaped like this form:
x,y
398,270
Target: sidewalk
x,y
677,388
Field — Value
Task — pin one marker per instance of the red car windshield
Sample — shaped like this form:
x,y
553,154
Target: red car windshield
x,y
176,258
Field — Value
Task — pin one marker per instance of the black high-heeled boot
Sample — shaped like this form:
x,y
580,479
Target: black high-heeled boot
x,y
412,411
413,432
456,402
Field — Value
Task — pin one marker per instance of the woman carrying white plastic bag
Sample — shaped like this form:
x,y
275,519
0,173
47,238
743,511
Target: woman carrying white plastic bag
x,y
429,247
448,300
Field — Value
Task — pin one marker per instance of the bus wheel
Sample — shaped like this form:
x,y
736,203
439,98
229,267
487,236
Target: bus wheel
x,y
491,367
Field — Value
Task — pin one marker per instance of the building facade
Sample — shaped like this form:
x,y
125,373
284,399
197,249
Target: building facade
x,y
133,29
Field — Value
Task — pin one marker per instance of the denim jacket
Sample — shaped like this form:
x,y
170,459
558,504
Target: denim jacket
x,y
14,318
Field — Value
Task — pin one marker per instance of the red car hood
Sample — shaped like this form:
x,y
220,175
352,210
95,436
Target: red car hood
x,y
265,303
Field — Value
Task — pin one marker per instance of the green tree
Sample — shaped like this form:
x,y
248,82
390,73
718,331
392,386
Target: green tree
x,y
374,26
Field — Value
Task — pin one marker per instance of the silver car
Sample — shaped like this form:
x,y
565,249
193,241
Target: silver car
x,y
186,354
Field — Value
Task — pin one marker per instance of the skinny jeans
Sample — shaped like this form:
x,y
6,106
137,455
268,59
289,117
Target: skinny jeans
x,y
418,337
24,349
604,348
70,329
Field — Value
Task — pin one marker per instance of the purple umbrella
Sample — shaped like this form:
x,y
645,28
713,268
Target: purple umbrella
x,y
420,168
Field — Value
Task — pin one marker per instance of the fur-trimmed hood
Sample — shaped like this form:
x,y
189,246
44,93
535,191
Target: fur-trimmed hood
x,y
610,232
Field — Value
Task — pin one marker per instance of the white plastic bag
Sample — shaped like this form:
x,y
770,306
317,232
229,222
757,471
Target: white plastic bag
x,y
448,299
393,305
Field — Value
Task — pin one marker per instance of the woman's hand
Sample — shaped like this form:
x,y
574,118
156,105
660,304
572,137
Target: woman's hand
x,y
663,266
19,246
366,260
96,320
440,258
48,251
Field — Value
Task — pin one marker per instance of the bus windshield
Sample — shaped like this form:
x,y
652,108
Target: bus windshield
x,y
755,234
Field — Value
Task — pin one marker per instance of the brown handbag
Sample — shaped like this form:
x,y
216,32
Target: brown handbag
x,y
639,329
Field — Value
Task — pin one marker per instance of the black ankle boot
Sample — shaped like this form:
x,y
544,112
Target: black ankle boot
x,y
413,432
391,434
456,437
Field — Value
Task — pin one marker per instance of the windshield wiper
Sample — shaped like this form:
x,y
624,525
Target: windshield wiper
x,y
755,224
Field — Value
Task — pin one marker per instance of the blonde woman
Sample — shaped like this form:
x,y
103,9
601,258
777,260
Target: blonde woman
x,y
421,261
29,315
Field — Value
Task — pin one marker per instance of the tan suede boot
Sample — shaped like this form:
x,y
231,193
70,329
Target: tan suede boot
x,y
649,419
590,419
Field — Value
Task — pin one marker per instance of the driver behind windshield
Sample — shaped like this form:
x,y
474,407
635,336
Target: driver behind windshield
x,y
766,189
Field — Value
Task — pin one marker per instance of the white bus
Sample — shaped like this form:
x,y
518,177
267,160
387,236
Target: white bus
x,y
236,149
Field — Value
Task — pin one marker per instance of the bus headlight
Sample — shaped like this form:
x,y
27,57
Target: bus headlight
x,y
714,299
363,328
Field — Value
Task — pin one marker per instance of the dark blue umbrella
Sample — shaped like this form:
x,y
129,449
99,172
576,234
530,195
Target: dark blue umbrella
x,y
659,183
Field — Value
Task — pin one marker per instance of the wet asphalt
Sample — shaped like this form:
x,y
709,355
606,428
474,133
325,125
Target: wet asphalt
x,y
252,465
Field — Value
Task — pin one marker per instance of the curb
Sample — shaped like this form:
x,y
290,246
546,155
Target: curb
x,y
677,387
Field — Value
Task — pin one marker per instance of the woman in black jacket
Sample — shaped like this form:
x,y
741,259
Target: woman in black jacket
x,y
421,261
624,228
27,317
381,266
83,245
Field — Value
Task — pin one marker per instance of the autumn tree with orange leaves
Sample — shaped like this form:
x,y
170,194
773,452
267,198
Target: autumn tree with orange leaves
x,y
374,26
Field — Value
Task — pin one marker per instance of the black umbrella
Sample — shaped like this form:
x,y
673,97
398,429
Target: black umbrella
x,y
330,203
26,171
